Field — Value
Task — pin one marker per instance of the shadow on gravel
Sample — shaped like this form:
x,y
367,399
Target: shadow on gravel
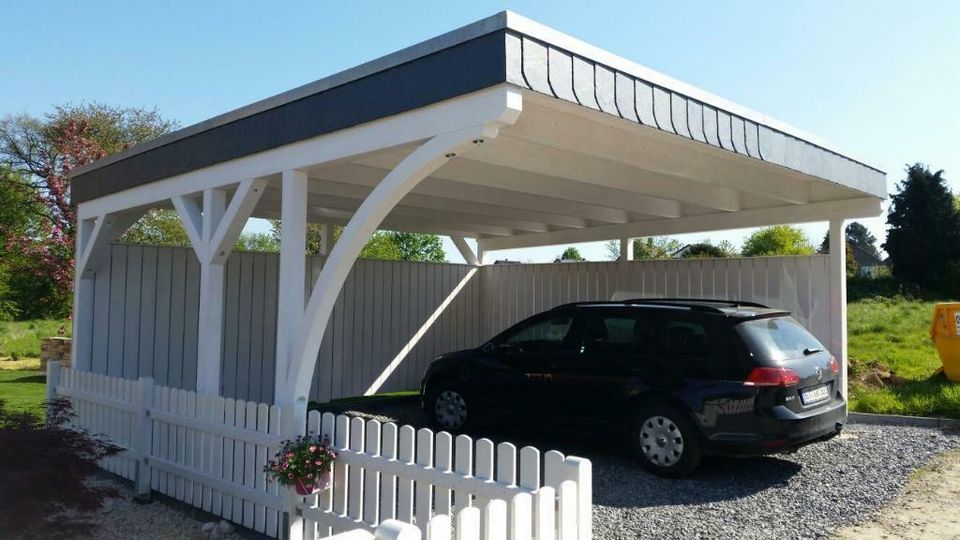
x,y
618,480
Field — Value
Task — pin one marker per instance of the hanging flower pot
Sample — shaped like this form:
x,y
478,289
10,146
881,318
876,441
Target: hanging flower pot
x,y
309,486
305,487
304,464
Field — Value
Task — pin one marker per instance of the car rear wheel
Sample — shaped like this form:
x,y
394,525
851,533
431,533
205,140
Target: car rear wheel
x,y
666,441
448,408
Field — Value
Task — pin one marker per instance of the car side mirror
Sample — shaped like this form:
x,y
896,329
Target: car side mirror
x,y
508,349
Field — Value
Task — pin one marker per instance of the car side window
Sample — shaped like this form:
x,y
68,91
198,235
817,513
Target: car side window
x,y
617,334
546,333
695,347
686,337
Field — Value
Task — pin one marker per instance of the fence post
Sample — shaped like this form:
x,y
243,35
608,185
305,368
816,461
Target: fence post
x,y
293,423
53,379
580,470
142,443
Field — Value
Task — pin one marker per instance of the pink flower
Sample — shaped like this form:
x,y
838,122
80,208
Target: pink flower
x,y
313,448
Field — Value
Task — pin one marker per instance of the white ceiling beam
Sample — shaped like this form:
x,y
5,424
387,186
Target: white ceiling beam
x,y
595,171
621,203
461,204
823,211
411,222
340,217
440,216
444,185
591,133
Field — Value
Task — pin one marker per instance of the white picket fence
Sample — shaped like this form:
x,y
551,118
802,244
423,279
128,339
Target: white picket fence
x,y
493,523
395,472
209,452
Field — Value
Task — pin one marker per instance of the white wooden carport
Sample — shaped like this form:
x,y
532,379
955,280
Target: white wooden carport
x,y
504,131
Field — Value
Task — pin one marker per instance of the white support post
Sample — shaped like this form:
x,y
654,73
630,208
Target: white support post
x,y
210,320
53,379
293,266
213,227
626,249
82,347
326,238
481,255
464,248
141,438
838,297
293,423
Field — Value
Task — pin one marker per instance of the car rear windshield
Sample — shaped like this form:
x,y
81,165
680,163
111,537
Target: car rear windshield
x,y
777,339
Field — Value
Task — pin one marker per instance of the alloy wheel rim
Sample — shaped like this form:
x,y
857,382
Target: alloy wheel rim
x,y
450,409
661,441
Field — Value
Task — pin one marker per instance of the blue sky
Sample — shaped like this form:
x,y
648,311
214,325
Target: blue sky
x,y
877,79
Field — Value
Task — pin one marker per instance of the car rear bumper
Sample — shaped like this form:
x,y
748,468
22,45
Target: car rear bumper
x,y
782,431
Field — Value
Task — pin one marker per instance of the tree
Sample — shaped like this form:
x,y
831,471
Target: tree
x,y
777,240
419,247
703,250
388,245
654,247
923,238
851,262
158,227
860,236
570,254
728,249
657,247
857,235
41,153
261,242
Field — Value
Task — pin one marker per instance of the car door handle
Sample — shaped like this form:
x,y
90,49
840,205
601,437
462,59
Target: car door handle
x,y
539,376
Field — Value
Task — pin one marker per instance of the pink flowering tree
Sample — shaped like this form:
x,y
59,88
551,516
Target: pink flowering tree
x,y
38,156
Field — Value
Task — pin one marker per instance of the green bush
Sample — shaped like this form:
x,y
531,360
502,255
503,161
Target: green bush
x,y
863,287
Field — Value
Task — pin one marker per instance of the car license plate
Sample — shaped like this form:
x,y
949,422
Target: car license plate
x,y
815,394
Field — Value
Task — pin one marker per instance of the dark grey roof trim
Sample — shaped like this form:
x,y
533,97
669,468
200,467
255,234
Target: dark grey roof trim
x,y
550,70
503,48
385,93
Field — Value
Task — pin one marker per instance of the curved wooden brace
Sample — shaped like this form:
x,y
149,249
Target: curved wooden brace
x,y
404,177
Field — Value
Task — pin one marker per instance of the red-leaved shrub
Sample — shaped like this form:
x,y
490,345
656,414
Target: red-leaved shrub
x,y
42,471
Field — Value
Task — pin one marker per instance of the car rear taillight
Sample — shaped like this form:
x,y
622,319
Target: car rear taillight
x,y
834,366
772,376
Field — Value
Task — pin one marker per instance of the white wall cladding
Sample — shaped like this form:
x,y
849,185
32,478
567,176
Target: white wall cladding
x,y
798,284
145,313
146,298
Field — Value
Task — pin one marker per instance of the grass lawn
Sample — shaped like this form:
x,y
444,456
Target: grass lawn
x,y
23,390
894,334
21,339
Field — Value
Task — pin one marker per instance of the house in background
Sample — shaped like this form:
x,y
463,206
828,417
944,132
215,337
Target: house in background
x,y
868,264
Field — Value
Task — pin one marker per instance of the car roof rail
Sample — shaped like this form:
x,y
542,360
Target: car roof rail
x,y
696,302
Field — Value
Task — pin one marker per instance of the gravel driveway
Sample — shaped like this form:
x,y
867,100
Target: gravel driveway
x,y
809,494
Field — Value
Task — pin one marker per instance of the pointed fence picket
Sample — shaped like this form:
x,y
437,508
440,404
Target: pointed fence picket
x,y
210,452
384,472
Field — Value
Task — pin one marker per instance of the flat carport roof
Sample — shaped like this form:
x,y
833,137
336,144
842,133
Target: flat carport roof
x,y
503,130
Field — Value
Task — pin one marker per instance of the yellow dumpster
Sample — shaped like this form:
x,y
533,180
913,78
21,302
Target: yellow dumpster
x,y
945,332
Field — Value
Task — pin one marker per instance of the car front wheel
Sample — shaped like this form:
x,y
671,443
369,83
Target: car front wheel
x,y
666,441
449,408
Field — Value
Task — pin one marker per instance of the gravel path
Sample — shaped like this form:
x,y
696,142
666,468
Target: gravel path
x,y
809,494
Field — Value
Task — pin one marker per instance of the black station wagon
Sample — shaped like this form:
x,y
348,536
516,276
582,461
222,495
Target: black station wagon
x,y
682,378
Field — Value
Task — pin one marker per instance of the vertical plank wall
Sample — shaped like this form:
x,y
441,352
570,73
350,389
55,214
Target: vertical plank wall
x,y
145,309
146,304
800,285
